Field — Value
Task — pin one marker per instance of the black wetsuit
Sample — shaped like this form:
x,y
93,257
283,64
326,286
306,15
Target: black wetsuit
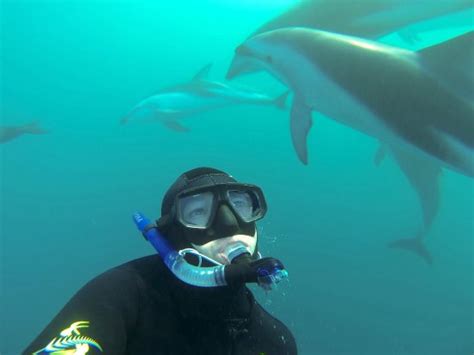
x,y
140,308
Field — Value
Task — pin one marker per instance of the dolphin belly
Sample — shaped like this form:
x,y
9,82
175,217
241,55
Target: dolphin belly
x,y
462,154
387,92
183,101
176,105
324,95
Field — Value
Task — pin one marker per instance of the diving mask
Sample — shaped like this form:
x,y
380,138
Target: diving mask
x,y
196,208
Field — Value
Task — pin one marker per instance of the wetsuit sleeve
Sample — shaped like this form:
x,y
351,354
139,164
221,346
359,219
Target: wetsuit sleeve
x,y
97,319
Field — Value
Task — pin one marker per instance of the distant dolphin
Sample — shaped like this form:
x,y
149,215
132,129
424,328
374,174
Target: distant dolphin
x,y
8,133
383,91
199,95
369,18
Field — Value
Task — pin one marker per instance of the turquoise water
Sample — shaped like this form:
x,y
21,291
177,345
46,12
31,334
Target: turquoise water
x,y
67,197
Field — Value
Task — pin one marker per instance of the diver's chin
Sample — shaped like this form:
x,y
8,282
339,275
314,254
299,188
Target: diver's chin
x,y
224,250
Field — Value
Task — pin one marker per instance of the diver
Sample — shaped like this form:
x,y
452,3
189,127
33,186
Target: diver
x,y
190,297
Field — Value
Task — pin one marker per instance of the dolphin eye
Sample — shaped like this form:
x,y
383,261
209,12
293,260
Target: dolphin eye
x,y
269,59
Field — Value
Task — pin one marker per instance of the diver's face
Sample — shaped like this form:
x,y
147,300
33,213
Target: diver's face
x,y
217,219
222,249
225,233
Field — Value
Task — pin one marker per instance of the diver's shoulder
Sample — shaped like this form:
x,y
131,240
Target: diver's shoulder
x,y
140,267
131,272
149,270
141,264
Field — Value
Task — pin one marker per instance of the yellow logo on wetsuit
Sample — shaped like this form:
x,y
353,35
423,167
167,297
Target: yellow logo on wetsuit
x,y
70,342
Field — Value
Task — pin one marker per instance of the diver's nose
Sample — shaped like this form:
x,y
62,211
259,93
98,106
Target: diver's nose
x,y
226,224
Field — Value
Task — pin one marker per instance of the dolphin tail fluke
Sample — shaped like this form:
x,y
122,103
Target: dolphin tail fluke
x,y
280,101
414,245
34,128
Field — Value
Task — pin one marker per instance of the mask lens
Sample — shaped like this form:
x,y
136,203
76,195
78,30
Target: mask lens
x,y
245,203
195,210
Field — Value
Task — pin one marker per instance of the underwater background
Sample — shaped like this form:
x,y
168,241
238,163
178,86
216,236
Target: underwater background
x,y
78,66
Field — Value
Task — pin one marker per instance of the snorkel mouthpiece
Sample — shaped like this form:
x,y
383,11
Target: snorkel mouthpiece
x,y
266,272
237,251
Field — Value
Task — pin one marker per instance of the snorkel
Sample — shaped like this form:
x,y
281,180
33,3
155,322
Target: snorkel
x,y
266,272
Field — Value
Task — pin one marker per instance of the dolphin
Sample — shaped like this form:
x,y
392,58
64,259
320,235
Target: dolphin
x,y
375,19
385,92
8,133
382,90
172,104
370,19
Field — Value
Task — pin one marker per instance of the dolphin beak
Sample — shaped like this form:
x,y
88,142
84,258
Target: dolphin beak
x,y
241,65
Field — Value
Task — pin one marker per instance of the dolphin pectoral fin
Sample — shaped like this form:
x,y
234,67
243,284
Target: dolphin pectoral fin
x,y
300,124
424,176
175,126
414,245
380,154
203,73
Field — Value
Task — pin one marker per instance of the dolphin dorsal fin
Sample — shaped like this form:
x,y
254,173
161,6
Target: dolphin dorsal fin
x,y
203,73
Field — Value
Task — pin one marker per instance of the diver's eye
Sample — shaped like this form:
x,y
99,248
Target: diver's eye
x,y
197,212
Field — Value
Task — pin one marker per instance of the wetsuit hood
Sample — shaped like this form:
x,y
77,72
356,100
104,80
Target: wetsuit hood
x,y
225,223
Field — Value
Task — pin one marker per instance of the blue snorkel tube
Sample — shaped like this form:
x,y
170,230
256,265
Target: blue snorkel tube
x,y
267,272
197,276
